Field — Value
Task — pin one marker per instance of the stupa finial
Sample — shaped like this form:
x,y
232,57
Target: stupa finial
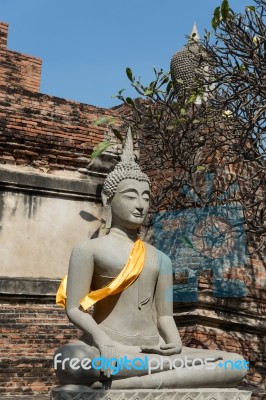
x,y
195,34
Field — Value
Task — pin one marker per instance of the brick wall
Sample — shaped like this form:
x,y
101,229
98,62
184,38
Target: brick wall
x,y
40,131
47,133
229,324
31,331
18,70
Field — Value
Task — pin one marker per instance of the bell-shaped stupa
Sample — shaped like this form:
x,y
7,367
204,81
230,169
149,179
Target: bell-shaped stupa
x,y
185,62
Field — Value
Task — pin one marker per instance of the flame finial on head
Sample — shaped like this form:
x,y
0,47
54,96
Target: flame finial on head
x,y
128,149
127,168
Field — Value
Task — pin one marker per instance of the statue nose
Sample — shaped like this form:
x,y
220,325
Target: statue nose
x,y
140,208
140,205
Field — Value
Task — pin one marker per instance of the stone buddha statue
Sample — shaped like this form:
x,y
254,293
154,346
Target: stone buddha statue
x,y
130,340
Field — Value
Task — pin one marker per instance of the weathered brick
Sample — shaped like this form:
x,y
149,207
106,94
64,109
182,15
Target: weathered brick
x,y
53,128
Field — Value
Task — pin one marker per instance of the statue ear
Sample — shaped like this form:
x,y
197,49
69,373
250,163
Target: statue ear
x,y
107,211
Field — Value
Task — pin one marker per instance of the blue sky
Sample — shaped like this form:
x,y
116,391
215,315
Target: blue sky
x,y
86,45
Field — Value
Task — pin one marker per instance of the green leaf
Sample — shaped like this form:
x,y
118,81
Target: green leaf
x,y
130,101
192,98
129,74
201,168
169,87
99,149
216,18
104,121
251,8
186,241
148,92
165,80
179,81
217,13
225,9
117,134
243,68
183,111
180,120
214,23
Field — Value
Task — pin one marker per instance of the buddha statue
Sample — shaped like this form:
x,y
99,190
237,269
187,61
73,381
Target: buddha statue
x,y
129,284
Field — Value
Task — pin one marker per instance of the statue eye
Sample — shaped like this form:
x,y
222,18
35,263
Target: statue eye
x,y
130,196
146,198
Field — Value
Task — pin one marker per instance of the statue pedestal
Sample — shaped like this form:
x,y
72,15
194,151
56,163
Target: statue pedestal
x,y
147,394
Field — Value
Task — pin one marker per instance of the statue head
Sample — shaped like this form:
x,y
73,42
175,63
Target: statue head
x,y
125,192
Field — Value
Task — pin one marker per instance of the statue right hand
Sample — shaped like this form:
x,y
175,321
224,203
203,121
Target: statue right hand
x,y
168,349
108,353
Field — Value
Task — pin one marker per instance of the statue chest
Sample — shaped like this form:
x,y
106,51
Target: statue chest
x,y
108,265
130,314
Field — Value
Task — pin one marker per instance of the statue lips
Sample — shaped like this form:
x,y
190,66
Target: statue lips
x,y
138,215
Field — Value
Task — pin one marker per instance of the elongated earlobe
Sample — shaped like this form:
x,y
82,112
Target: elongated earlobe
x,y
108,218
107,212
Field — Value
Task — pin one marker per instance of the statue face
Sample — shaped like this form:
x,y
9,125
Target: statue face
x,y
130,203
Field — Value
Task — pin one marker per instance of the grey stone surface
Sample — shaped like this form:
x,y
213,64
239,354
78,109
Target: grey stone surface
x,y
50,184
41,219
177,394
29,286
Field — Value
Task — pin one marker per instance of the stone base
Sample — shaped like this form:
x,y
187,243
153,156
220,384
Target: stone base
x,y
174,394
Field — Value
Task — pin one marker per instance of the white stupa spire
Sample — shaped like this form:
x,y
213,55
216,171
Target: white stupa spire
x,y
195,34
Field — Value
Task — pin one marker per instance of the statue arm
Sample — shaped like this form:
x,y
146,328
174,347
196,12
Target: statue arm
x,y
80,274
164,305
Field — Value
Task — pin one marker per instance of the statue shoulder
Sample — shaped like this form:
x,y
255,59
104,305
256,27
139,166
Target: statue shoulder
x,y
90,246
162,259
86,247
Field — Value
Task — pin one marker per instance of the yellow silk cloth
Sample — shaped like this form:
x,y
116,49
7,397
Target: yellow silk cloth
x,y
61,293
124,279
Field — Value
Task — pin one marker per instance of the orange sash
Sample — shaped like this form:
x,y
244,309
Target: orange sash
x,y
124,279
